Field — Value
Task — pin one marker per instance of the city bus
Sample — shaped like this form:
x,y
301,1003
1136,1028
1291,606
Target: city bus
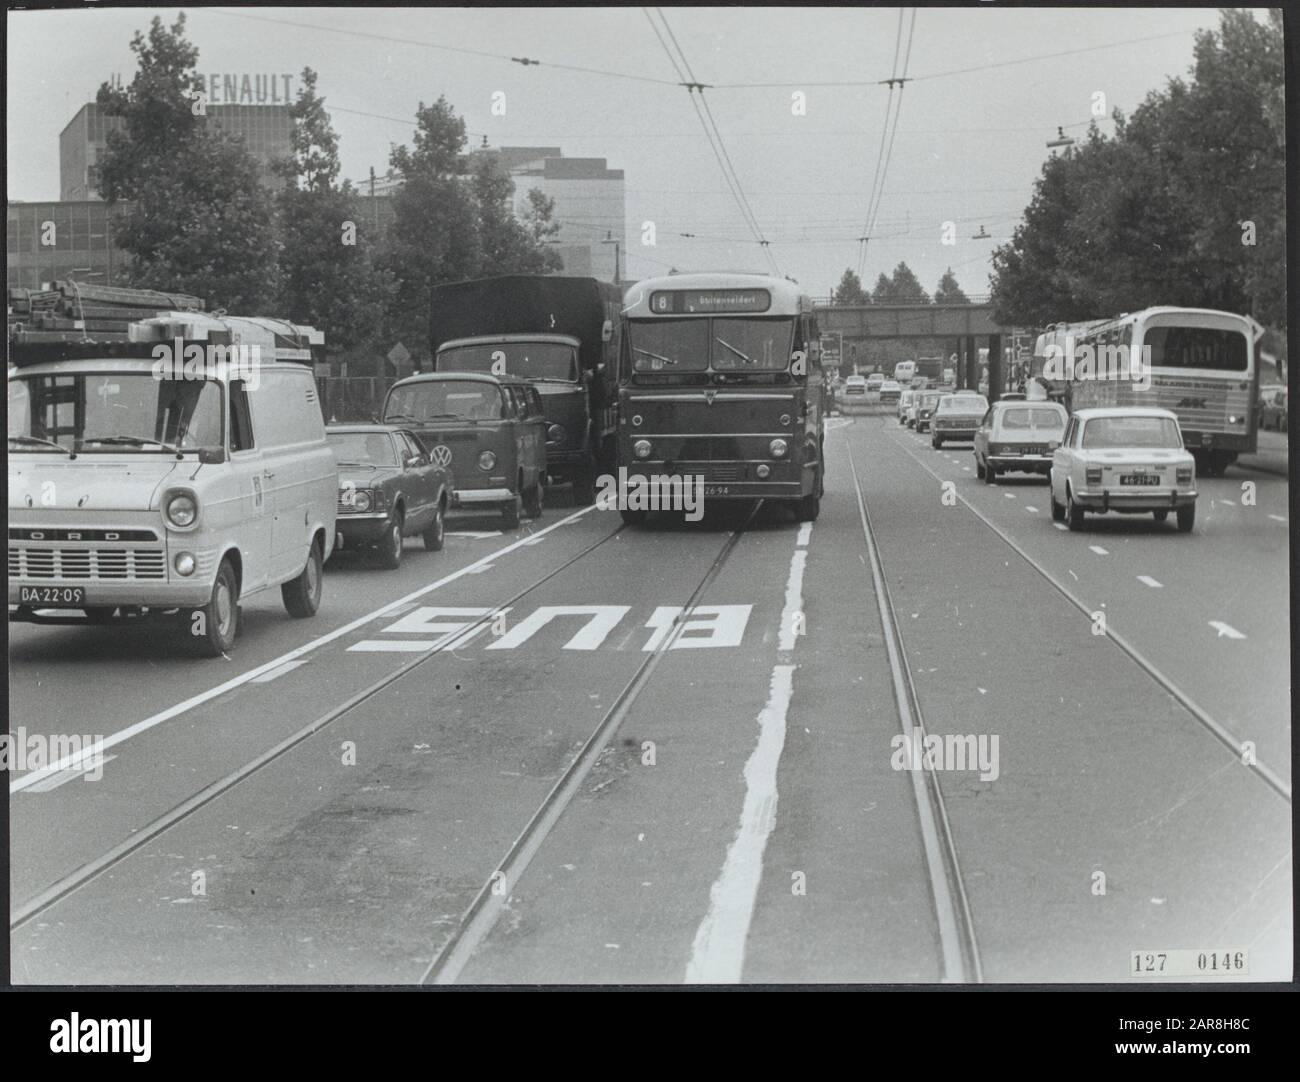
x,y
720,379
1202,368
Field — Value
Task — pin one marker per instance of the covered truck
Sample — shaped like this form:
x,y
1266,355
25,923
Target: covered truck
x,y
560,334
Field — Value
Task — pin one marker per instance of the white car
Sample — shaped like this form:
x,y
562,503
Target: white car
x,y
890,390
874,381
1125,459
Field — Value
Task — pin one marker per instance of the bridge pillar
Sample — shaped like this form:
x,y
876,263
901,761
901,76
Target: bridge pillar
x,y
972,363
996,386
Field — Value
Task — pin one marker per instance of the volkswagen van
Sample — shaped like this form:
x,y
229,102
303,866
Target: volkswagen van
x,y
139,487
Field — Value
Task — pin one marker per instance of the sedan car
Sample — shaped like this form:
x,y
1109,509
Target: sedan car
x,y
923,405
489,431
890,390
874,381
1018,436
956,417
389,489
1127,459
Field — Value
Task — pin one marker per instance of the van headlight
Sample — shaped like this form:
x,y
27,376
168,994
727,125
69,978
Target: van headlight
x,y
486,460
778,448
181,510
555,434
641,448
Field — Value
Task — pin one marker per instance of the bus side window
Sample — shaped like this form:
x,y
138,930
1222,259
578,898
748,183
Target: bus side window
x,y
241,423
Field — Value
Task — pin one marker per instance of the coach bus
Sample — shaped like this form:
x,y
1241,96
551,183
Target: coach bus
x,y
721,379
1202,367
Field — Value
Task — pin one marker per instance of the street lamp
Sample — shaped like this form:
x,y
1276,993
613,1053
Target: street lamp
x,y
609,239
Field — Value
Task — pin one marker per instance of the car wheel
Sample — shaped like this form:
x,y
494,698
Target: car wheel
x,y
510,512
1160,516
1186,518
1073,512
436,533
533,500
808,508
219,619
301,595
1058,512
936,442
390,545
979,469
990,475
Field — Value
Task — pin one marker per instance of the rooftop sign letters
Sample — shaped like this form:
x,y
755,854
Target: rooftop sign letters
x,y
229,89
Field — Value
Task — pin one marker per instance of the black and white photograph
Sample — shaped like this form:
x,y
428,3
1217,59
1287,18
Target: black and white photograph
x,y
770,496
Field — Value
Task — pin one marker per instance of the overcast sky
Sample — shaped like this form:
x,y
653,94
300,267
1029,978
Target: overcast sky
x,y
968,145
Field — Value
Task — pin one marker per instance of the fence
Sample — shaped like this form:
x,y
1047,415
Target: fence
x,y
352,398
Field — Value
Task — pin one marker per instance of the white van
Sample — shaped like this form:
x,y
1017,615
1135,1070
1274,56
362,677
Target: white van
x,y
138,488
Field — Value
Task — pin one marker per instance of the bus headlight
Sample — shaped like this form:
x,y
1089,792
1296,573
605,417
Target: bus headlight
x,y
181,510
486,460
641,448
763,471
184,563
555,434
778,448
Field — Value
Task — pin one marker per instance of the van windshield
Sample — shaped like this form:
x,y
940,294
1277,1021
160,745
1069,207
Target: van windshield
x,y
550,361
434,400
115,412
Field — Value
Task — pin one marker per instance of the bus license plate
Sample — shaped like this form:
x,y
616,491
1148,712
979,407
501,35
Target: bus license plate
x,y
74,596
717,490
1139,479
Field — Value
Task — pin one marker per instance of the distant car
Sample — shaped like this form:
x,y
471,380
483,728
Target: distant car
x,y
1012,396
874,381
904,403
890,390
1018,436
489,431
923,406
956,417
389,489
1127,459
855,385
1273,407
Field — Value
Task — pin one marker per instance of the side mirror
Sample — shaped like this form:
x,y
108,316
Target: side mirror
x,y
212,456
412,461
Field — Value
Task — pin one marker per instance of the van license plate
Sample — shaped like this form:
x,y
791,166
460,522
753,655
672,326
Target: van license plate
x,y
74,596
1139,479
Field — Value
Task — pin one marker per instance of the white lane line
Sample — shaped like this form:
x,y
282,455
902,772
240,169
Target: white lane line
x,y
65,776
1060,525
31,778
276,673
1031,510
478,535
477,570
391,646
1149,581
966,468
805,533
718,953
1009,495
1278,518
1099,550
1226,630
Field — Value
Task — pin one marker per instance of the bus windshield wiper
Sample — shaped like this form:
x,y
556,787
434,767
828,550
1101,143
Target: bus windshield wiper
x,y
655,356
743,357
400,417
38,442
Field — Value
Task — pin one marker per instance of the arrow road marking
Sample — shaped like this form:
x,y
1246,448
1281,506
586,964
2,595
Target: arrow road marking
x,y
1226,629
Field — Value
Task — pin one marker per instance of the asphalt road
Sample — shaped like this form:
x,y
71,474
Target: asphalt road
x,y
616,798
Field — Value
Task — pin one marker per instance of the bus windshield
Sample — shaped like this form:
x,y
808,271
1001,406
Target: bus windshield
x,y
529,360
723,345
116,412
1196,347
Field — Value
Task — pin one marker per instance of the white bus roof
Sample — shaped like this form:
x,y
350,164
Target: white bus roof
x,y
787,297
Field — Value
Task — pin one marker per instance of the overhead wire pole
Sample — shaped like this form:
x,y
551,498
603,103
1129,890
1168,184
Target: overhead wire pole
x,y
880,151
712,133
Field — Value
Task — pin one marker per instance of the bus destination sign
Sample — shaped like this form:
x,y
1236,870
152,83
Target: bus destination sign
x,y
709,301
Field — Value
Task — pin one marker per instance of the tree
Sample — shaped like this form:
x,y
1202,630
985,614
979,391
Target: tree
x,y
328,273
537,217
850,290
900,288
434,236
507,244
1184,205
948,291
199,221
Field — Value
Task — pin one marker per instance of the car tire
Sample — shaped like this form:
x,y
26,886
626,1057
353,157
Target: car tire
x,y
1058,512
979,469
436,533
1073,512
990,475
510,512
301,595
1186,518
220,622
807,508
533,500
936,442
389,549
1160,516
